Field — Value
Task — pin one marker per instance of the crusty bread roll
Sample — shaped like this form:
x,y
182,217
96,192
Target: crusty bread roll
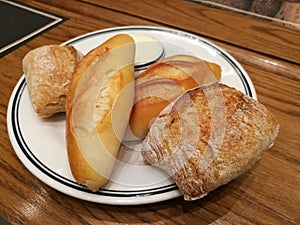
x,y
98,107
48,71
161,83
209,136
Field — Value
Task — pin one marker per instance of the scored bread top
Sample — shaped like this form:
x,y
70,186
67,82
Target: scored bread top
x,y
98,106
185,70
209,136
161,83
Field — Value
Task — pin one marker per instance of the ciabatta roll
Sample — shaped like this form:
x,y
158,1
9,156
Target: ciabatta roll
x,y
209,136
48,70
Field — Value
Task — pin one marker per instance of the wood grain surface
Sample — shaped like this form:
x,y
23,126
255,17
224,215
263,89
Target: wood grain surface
x,y
270,53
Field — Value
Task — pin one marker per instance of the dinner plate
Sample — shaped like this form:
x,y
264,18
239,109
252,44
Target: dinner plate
x,y
40,143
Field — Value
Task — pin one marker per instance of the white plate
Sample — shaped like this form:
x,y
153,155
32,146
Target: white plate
x,y
40,143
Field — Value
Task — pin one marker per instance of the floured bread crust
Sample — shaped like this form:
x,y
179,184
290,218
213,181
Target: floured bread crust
x,y
48,71
209,136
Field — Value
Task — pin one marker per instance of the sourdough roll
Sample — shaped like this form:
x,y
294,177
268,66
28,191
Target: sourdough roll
x,y
48,71
209,136
161,83
99,103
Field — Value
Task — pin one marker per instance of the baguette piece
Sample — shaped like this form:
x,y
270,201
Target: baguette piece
x,y
48,70
98,107
161,83
209,136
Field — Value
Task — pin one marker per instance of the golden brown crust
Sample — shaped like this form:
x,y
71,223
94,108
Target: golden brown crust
x,y
161,83
83,171
209,136
48,71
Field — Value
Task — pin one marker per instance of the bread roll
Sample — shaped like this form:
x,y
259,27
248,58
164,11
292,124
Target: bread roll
x,y
209,136
48,71
161,83
99,102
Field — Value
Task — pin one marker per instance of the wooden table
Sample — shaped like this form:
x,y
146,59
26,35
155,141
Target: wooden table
x,y
270,53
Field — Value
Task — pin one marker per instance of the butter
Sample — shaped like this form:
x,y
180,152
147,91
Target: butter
x,y
148,50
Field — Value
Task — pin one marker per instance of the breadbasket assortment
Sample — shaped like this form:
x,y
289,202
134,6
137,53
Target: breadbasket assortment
x,y
199,131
